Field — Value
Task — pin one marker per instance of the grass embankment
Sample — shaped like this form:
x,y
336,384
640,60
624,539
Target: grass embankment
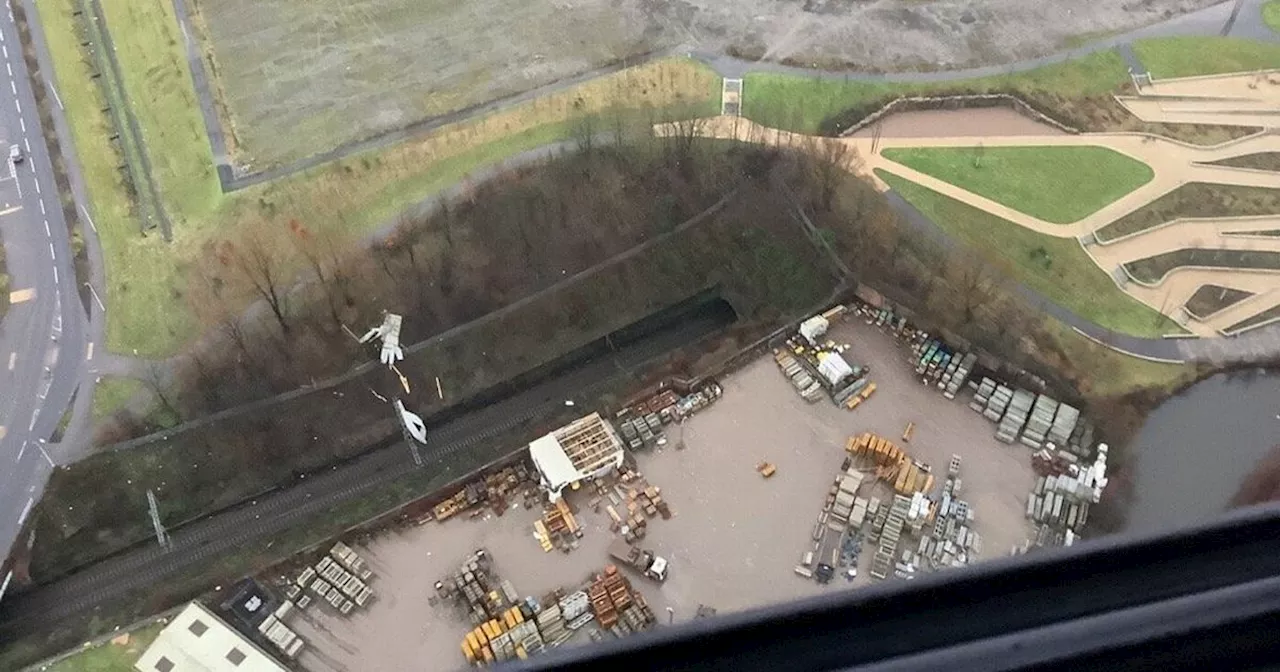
x,y
1260,161
810,105
110,657
1195,199
1056,184
1055,267
1209,299
1152,270
1191,56
1079,93
146,277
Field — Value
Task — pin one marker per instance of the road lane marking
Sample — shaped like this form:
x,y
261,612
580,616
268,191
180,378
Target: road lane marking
x,y
17,105
25,510
37,184
28,144
21,451
9,68
46,455
4,430
34,414
21,295
89,357
10,211
55,275
41,201
13,87
6,49
90,219
23,123
51,252
47,232
13,360
54,89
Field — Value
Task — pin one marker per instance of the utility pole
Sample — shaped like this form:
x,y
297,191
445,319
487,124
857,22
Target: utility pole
x,y
162,536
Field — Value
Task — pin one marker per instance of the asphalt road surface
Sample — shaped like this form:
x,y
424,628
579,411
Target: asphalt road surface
x,y
33,611
42,336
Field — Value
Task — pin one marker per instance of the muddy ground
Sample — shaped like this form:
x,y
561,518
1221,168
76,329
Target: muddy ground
x,y
304,76
735,537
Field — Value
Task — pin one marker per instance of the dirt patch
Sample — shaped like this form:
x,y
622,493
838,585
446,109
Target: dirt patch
x,y
735,537
1153,269
1260,161
975,123
1195,199
1258,320
300,77
1210,299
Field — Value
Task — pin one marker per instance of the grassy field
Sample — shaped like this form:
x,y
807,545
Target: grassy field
x,y
1055,267
1189,56
146,277
112,393
1271,14
802,104
110,657
1056,184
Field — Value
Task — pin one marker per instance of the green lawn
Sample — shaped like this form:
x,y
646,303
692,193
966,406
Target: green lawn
x,y
802,103
110,657
112,393
1056,184
1189,56
1271,15
1055,267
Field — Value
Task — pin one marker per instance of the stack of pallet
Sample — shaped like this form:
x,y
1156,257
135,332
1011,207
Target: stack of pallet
x,y
795,372
981,394
449,507
1064,424
846,495
551,625
912,477
998,403
601,605
649,500
956,375
1015,416
350,560
1039,422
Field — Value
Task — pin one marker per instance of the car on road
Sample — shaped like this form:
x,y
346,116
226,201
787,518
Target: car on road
x,y
15,154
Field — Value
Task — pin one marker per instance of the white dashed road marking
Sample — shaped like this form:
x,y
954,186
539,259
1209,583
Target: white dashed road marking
x,y
41,203
13,360
47,232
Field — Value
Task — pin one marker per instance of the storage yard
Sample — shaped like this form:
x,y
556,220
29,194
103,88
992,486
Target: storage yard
x,y
768,490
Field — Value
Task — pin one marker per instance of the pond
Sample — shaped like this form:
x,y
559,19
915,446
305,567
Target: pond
x,y
1196,448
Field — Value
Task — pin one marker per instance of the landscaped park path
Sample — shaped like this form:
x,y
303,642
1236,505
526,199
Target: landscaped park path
x,y
1249,99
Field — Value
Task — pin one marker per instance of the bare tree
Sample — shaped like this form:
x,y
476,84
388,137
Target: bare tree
x,y
260,263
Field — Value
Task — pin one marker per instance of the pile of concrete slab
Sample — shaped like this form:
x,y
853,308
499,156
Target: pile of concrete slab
x,y
1039,422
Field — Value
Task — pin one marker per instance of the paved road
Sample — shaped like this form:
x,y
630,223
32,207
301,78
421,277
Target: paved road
x,y
115,578
42,338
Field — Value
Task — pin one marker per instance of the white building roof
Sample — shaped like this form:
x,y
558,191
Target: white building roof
x,y
585,448
198,641
553,463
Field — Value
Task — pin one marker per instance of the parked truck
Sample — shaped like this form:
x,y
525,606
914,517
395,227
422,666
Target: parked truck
x,y
646,562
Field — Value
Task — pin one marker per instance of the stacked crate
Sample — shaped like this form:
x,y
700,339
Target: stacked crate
x,y
1015,416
